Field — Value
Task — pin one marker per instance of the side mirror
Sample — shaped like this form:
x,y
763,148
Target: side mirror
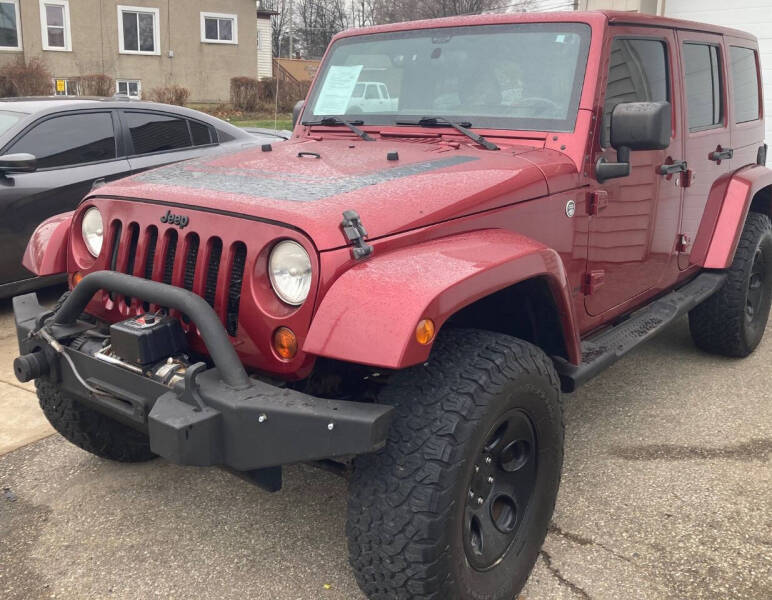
x,y
18,163
297,111
635,126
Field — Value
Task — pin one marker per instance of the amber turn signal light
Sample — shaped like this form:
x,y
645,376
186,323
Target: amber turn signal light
x,y
77,276
424,333
285,343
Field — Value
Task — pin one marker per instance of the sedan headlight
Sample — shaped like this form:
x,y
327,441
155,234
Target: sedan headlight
x,y
93,232
289,268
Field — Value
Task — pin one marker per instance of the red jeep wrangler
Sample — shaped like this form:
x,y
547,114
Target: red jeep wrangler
x,y
415,287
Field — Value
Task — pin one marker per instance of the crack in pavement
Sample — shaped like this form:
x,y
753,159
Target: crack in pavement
x,y
755,449
561,579
583,541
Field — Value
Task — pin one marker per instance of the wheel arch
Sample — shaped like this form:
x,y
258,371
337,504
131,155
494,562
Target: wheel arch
x,y
731,198
451,281
46,252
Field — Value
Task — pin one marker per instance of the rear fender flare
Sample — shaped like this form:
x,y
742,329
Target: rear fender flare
x,y
46,252
722,223
370,313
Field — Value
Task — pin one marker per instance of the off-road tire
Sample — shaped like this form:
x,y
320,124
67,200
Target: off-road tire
x,y
407,501
90,430
721,324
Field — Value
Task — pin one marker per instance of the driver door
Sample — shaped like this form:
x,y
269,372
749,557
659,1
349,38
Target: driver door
x,y
634,220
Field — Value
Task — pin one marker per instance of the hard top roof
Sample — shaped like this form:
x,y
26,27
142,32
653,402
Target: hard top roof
x,y
595,17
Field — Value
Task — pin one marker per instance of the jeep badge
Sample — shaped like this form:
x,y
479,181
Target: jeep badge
x,y
172,219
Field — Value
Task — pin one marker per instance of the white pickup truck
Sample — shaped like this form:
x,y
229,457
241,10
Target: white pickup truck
x,y
371,97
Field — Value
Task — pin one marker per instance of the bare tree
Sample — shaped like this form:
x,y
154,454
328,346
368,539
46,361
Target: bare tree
x,y
318,21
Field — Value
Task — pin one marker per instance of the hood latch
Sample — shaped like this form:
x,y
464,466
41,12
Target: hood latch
x,y
355,233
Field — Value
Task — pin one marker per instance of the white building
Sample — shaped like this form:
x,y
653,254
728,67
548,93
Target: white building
x,y
264,43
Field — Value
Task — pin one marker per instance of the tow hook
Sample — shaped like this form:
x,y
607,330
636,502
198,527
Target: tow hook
x,y
355,233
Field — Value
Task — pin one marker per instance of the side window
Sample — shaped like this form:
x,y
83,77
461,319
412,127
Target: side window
x,y
703,86
201,134
359,89
638,72
745,84
372,93
70,140
157,133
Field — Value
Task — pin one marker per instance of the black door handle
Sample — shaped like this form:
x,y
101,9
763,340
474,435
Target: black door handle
x,y
721,154
678,166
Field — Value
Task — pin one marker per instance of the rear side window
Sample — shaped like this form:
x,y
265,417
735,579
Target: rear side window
x,y
157,133
703,86
70,140
201,134
638,72
745,84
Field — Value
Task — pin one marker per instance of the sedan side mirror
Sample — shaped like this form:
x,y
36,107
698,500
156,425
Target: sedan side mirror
x,y
297,110
635,126
18,163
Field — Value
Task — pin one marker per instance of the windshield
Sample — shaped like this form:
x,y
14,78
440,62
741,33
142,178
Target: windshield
x,y
8,119
517,76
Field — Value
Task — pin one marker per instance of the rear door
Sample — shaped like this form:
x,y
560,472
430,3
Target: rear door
x,y
632,232
73,151
708,148
157,138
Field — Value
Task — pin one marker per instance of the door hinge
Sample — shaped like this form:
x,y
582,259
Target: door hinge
x,y
597,200
592,281
683,242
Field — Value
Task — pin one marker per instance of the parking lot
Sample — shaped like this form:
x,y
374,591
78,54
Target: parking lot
x,y
667,493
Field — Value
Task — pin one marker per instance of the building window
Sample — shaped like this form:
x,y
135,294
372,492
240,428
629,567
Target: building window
x,y
66,87
217,28
138,30
129,87
55,24
10,33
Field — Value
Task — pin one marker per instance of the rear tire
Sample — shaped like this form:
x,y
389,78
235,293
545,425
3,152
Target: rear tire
x,y
91,430
429,515
733,320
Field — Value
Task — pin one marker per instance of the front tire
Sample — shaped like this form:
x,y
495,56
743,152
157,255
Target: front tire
x,y
457,505
732,321
91,430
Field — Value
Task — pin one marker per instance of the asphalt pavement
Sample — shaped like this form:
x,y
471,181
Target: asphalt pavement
x,y
666,494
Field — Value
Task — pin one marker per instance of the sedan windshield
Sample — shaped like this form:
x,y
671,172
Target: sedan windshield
x,y
517,76
8,119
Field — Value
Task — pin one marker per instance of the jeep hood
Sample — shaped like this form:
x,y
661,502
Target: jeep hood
x,y
309,183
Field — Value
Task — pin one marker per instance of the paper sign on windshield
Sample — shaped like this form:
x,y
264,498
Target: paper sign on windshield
x,y
337,89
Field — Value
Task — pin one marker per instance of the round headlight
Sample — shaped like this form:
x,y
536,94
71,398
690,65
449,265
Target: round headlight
x,y
289,268
93,232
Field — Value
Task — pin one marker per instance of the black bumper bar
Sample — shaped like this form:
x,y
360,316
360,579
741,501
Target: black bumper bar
x,y
217,416
209,325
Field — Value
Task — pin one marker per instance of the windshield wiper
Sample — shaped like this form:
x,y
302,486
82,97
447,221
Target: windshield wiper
x,y
352,125
460,127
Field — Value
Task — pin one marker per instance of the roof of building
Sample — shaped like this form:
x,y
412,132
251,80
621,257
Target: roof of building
x,y
297,68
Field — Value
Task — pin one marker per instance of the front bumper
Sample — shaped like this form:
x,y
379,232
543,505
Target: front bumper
x,y
216,416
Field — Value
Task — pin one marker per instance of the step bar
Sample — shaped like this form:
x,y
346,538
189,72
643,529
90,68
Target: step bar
x,y
604,349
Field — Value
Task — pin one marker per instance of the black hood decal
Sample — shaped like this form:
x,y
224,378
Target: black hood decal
x,y
199,175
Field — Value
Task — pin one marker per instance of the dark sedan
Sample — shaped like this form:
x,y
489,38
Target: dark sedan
x,y
54,150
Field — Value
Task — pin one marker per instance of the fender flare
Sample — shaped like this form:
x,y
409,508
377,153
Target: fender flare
x,y
370,313
725,212
46,252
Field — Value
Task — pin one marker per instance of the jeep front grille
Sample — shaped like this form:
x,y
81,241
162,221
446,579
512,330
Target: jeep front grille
x,y
186,261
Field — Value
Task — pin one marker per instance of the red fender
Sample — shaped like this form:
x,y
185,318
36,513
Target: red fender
x,y
370,313
726,210
46,252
